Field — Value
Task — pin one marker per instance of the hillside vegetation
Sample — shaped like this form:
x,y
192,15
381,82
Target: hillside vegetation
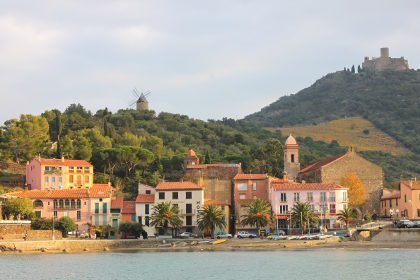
x,y
129,146
354,131
389,100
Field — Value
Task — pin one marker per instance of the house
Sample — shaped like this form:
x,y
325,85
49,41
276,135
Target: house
x,y
326,200
390,201
226,211
128,212
144,207
84,206
188,196
333,170
116,208
45,174
248,187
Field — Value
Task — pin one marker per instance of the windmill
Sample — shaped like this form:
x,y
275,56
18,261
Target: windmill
x,y
140,101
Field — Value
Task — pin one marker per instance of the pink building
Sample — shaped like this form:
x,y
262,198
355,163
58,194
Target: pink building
x,y
45,174
326,200
82,205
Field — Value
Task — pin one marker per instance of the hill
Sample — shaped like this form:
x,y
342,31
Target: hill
x,y
389,100
354,131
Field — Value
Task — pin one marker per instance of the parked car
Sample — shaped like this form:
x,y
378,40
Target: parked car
x,y
403,223
415,224
245,234
224,235
187,235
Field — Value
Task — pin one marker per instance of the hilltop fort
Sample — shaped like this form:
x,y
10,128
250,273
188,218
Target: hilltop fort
x,y
385,63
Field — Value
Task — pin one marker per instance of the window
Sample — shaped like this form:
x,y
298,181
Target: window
x,y
87,179
176,208
242,186
87,169
385,202
104,207
188,220
332,208
405,198
38,203
71,179
96,208
418,212
133,217
79,215
241,196
79,180
254,186
55,214
345,196
79,205
148,192
146,220
105,220
292,158
390,203
146,209
310,197
67,203
188,208
71,168
66,213
60,181
53,181
312,207
38,214
332,196
61,203
73,203
188,195
161,195
174,195
96,220
323,196
55,203
396,202
46,181
296,197
283,197
284,209
323,208
140,220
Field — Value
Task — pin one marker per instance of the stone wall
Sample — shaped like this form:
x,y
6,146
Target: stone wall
x,y
220,190
17,231
399,235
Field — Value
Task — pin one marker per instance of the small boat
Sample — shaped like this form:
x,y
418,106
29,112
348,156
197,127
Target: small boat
x,y
218,241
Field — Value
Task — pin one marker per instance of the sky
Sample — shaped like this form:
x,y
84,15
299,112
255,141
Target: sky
x,y
204,59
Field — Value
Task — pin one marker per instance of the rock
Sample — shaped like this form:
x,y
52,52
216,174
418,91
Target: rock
x,y
43,250
86,249
284,246
106,249
193,243
65,251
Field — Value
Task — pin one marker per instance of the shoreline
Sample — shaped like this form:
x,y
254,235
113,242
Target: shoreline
x,y
192,245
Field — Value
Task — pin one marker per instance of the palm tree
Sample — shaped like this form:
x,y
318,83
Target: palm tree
x,y
346,216
302,213
166,215
259,214
211,217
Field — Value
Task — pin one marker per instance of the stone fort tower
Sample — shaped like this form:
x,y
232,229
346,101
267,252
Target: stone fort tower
x,y
385,63
291,158
142,104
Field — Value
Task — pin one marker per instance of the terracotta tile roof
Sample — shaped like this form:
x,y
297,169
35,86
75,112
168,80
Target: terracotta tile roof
x,y
97,191
250,176
221,164
320,163
66,162
306,186
168,186
391,194
145,198
117,202
129,207
215,202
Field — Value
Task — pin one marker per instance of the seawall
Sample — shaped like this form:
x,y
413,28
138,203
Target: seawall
x,y
398,235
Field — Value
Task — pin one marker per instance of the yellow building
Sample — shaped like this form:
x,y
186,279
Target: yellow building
x,y
226,210
46,174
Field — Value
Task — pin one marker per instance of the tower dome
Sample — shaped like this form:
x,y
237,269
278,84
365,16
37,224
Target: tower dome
x,y
291,140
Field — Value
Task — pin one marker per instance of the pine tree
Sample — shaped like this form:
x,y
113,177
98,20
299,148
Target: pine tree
x,y
106,129
207,159
353,70
359,69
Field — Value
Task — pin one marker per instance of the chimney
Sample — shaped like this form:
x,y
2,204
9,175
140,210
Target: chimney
x,y
285,177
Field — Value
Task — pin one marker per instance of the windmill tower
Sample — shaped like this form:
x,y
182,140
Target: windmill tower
x,y
141,103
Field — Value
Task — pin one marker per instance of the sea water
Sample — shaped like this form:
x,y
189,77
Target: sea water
x,y
319,264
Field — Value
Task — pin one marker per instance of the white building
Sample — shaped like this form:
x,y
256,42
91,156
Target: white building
x,y
144,208
189,198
